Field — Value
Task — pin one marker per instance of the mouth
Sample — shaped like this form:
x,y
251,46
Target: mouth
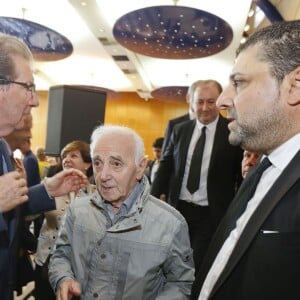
x,y
106,188
230,119
231,123
67,166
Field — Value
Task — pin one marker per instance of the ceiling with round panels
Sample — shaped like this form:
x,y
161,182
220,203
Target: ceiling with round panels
x,y
45,43
170,93
173,32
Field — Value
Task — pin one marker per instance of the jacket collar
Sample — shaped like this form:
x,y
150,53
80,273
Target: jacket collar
x,y
132,220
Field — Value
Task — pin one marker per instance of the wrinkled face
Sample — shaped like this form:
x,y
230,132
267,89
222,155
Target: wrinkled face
x,y
115,170
204,103
15,100
249,160
73,159
257,115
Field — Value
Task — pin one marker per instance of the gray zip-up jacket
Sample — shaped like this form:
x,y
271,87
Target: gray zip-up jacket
x,y
144,256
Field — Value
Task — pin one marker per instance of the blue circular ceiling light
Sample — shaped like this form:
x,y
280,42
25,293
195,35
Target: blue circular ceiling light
x,y
170,93
173,32
45,43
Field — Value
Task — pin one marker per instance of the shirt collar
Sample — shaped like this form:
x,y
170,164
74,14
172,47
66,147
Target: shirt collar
x,y
283,154
127,204
209,126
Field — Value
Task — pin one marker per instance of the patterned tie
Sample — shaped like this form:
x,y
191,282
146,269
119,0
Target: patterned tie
x,y
196,162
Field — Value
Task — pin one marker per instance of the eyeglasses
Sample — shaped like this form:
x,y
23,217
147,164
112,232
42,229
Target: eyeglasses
x,y
30,87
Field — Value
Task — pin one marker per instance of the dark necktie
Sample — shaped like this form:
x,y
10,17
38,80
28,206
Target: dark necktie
x,y
245,193
196,162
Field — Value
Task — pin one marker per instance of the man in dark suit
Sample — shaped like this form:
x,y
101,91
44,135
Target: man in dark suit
x,y
17,97
255,251
220,172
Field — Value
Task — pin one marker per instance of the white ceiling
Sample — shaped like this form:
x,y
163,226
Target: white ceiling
x,y
91,63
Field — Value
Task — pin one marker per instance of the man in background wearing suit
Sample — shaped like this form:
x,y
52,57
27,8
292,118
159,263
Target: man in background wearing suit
x,y
255,251
17,97
220,174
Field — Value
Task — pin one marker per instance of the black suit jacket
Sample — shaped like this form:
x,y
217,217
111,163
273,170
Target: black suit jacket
x,y
265,263
224,173
170,127
39,201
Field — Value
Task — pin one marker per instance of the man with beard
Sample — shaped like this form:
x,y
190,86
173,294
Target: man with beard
x,y
255,251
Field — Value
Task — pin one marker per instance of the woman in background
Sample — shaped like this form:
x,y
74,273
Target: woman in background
x,y
74,155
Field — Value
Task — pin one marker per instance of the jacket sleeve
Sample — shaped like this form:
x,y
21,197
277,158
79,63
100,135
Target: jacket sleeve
x,y
60,261
39,201
161,182
168,132
179,267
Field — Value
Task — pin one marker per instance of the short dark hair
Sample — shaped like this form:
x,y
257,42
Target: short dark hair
x,y
84,149
280,47
158,142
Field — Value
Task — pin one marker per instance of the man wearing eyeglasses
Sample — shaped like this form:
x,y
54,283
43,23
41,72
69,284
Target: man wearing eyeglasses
x,y
17,97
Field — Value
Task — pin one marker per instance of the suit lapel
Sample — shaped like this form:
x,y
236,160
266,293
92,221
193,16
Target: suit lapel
x,y
13,214
5,154
221,135
286,180
187,136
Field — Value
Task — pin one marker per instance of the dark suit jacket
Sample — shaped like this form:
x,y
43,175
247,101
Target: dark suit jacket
x,y
39,201
31,166
224,173
263,266
170,127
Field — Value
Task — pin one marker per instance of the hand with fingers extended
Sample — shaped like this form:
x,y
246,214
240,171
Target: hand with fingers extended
x,y
13,191
64,182
68,289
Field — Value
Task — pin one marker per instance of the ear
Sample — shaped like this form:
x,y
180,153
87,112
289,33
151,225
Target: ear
x,y
87,165
141,168
294,87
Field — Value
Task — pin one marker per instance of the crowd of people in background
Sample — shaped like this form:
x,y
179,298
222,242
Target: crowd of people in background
x,y
213,216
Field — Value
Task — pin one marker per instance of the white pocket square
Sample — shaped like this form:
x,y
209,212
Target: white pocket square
x,y
269,231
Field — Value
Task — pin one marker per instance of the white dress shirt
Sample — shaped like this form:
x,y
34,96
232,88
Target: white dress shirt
x,y
200,196
279,158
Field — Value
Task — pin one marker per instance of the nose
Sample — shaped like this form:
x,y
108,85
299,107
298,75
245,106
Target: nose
x,y
34,99
205,106
225,100
104,172
67,158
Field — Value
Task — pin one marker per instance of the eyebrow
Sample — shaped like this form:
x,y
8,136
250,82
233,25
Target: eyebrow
x,y
119,158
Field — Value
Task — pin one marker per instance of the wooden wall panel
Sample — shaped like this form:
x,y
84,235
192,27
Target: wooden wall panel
x,y
148,118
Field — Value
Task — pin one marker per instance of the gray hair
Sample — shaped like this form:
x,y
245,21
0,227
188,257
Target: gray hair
x,y
279,45
200,83
10,46
105,130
